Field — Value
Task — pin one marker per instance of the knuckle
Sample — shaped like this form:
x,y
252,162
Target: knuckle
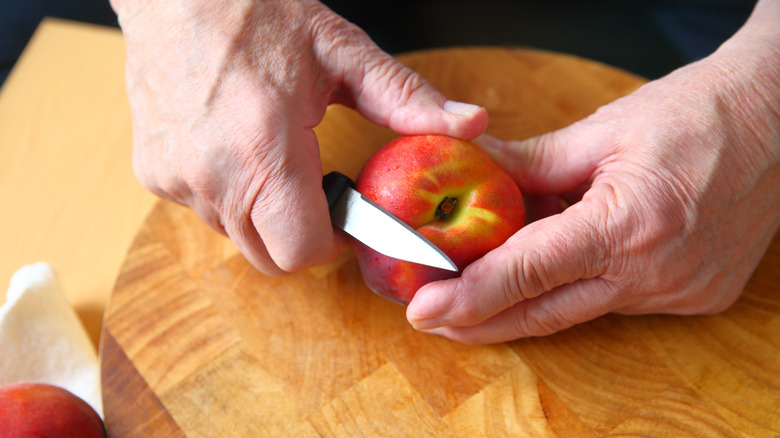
x,y
163,185
598,234
523,278
539,322
410,84
178,181
529,277
401,81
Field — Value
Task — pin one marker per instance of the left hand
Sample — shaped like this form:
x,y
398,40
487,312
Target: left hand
x,y
681,183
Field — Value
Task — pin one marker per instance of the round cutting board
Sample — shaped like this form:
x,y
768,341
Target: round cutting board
x,y
198,343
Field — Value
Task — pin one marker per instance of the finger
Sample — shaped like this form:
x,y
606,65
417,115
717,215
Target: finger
x,y
240,230
553,163
552,312
543,255
290,212
390,94
248,241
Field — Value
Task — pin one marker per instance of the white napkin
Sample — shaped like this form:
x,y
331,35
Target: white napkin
x,y
42,339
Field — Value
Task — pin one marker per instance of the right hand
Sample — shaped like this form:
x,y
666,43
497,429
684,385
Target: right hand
x,y
677,198
224,98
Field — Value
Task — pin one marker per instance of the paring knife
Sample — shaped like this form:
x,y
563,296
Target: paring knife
x,y
376,228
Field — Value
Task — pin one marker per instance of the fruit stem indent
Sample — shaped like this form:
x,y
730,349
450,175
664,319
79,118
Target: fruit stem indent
x,y
445,209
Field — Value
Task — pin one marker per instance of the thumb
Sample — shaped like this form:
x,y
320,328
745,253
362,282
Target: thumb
x,y
542,256
390,94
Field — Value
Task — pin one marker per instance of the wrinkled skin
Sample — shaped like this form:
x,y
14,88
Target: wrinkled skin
x,y
224,96
681,183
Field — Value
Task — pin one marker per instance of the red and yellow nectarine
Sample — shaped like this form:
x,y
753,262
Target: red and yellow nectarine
x,y
447,189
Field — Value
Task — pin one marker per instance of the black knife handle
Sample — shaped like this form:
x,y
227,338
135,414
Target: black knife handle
x,y
335,184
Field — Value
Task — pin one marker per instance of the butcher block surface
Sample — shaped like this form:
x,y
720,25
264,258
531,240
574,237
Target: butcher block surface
x,y
197,343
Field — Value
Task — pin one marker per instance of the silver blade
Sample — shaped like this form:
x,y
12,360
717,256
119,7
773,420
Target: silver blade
x,y
385,233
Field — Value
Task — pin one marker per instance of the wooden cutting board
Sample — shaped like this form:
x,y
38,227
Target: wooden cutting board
x,y
197,343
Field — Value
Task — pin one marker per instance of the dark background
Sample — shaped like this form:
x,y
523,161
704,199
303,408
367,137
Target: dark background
x,y
646,37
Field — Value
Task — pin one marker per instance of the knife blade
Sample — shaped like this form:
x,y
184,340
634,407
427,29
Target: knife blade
x,y
376,228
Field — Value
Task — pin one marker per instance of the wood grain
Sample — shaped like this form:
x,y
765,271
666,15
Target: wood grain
x,y
217,349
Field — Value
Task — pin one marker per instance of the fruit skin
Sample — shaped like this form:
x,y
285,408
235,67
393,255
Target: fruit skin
x,y
409,177
42,410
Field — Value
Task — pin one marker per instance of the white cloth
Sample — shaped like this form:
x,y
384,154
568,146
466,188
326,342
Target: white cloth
x,y
42,339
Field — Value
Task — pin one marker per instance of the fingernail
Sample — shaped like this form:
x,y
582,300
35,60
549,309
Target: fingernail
x,y
463,109
426,324
437,331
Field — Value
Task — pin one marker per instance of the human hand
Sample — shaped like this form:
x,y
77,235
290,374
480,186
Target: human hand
x,y
224,99
681,183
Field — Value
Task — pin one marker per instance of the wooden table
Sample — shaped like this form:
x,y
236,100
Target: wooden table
x,y
67,190
197,343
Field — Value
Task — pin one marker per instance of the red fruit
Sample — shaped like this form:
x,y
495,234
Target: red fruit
x,y
451,192
41,410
